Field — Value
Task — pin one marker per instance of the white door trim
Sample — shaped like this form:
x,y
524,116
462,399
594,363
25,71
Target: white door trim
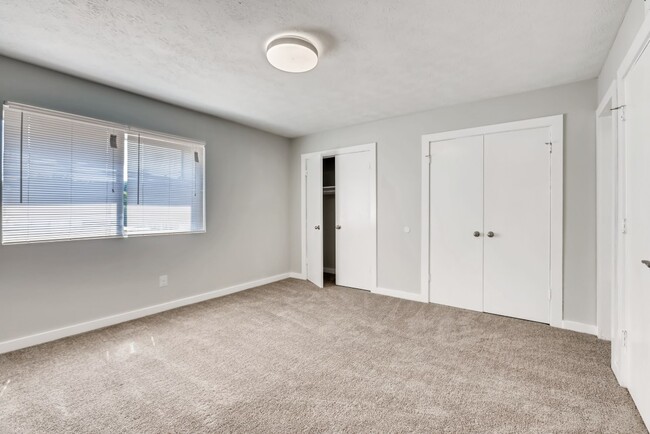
x,y
556,125
369,147
637,47
605,112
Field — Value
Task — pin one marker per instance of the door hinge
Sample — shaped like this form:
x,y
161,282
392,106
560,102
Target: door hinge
x,y
550,146
624,228
624,338
549,294
428,157
621,112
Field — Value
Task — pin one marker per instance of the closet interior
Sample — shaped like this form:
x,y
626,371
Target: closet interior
x,y
329,219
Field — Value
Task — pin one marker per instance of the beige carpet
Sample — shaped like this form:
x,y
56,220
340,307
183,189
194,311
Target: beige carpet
x,y
288,357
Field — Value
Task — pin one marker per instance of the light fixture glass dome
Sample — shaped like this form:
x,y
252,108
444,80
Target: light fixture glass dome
x,y
292,54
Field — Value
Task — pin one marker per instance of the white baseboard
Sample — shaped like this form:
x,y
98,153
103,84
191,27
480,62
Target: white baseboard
x,y
413,296
52,335
329,270
580,327
294,275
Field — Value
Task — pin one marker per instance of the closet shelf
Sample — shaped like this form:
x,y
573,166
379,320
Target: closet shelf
x,y
330,189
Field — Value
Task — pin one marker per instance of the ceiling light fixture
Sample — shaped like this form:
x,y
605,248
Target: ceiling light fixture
x,y
292,54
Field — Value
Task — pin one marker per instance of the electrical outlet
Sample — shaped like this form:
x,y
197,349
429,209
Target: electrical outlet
x,y
162,280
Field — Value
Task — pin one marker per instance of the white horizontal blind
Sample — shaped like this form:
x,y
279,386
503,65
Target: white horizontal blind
x,y
165,185
62,177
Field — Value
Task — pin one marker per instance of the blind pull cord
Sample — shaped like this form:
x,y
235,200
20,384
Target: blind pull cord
x,y
139,168
113,147
22,115
196,161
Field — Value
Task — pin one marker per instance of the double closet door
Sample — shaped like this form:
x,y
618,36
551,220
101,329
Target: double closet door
x,y
354,224
490,223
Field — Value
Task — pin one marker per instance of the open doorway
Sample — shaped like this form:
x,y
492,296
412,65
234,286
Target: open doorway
x,y
329,221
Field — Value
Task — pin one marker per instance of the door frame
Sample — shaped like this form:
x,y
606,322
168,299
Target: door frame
x,y
637,47
556,126
606,112
369,147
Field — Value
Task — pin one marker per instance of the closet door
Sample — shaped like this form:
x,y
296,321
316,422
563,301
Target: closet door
x,y
456,222
355,235
517,224
637,238
314,201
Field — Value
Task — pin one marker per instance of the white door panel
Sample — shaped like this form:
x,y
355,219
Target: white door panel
x,y
637,276
314,200
355,232
517,210
456,213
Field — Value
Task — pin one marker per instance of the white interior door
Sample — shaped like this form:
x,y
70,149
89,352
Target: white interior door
x,y
354,228
516,266
637,279
456,221
314,219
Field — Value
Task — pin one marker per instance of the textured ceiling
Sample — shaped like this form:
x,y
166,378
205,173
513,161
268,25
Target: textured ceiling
x,y
379,58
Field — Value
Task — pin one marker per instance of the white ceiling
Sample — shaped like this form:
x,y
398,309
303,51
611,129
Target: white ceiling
x,y
379,58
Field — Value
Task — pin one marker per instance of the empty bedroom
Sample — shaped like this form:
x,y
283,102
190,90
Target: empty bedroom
x,y
256,216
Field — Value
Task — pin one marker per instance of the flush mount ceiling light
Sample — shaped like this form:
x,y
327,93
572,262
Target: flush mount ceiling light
x,y
292,54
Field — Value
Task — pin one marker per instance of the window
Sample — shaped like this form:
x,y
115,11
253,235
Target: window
x,y
165,185
66,177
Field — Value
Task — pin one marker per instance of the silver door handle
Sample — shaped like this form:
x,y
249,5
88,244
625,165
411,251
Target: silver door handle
x,y
338,226
490,234
646,263
477,234
317,227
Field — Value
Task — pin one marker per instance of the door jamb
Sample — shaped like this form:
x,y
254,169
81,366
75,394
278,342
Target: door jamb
x,y
640,43
605,109
369,147
556,126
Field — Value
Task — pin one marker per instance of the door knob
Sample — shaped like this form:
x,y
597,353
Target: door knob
x,y
490,234
477,234
338,226
317,227
646,263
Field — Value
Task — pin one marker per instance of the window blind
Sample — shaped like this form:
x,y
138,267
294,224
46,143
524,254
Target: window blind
x,y
67,177
165,185
62,177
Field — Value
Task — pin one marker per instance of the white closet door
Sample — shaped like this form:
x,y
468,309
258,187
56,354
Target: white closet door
x,y
637,276
354,229
314,199
517,213
456,221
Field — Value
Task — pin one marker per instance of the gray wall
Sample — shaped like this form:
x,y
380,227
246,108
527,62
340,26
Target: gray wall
x,y
399,180
46,286
626,33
